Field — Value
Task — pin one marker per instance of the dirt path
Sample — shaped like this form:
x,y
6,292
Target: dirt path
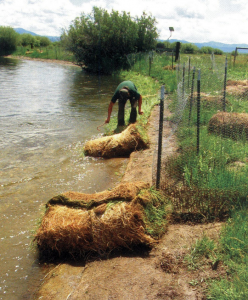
x,y
157,274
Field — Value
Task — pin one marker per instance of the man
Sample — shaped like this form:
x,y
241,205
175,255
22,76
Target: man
x,y
125,91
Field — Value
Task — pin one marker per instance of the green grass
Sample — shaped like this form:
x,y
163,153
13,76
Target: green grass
x,y
202,248
50,52
214,167
221,162
156,212
234,250
216,177
153,65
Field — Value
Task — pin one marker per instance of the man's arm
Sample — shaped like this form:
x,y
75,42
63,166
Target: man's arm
x,y
140,104
111,104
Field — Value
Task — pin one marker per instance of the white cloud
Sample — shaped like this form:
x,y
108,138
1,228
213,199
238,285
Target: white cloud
x,y
195,21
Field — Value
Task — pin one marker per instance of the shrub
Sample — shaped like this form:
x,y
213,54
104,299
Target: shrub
x,y
8,40
100,41
189,48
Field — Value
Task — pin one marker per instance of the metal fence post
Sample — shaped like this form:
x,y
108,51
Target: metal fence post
x,y
160,136
191,94
183,80
198,110
224,94
150,62
189,72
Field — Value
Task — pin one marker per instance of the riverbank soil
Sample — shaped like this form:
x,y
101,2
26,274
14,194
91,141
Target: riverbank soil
x,y
152,274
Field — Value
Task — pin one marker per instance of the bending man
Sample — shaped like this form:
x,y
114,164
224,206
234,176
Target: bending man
x,y
125,91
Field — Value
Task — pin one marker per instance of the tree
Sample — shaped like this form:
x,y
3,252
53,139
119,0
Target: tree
x,y
189,48
101,40
147,33
8,40
44,41
27,39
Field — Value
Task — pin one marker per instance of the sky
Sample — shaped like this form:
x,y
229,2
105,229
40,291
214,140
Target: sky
x,y
195,21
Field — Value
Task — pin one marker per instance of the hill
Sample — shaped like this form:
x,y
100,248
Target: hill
x,y
224,47
51,38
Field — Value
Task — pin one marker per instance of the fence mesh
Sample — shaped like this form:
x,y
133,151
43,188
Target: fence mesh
x,y
208,172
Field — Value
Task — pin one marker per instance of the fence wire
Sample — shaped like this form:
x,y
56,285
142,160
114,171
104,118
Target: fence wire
x,y
208,172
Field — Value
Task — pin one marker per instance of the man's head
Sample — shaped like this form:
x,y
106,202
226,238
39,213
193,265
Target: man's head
x,y
124,93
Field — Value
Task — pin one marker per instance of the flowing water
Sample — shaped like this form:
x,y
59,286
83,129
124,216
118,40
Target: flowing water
x,y
47,112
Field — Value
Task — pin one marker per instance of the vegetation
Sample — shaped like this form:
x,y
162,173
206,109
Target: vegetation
x,y
216,177
156,211
100,41
210,182
53,51
8,40
232,250
189,48
214,182
27,39
234,253
212,167
203,248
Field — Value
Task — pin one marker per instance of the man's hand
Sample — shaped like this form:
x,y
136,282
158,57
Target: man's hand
x,y
141,112
107,120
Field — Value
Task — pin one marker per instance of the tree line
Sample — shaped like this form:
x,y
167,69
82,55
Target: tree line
x,y
10,39
188,48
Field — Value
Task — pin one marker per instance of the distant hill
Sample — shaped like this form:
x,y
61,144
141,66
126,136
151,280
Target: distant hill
x,y
51,38
224,47
21,31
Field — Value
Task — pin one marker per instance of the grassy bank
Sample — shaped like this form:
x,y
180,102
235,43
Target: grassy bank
x,y
221,163
213,183
49,52
228,257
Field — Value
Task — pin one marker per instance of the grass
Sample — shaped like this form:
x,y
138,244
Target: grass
x,y
221,165
156,213
231,250
214,181
214,166
203,248
155,66
234,245
216,176
217,173
50,52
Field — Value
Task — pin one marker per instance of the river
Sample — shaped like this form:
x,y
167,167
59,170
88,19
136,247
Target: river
x,y
47,112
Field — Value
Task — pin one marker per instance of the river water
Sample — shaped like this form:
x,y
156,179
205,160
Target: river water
x,y
47,112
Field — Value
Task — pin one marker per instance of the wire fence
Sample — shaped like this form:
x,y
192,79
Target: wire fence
x,y
207,174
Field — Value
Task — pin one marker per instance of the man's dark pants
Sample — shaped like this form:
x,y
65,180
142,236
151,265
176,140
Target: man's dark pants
x,y
121,112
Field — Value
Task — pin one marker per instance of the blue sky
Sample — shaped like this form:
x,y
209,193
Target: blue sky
x,y
195,21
